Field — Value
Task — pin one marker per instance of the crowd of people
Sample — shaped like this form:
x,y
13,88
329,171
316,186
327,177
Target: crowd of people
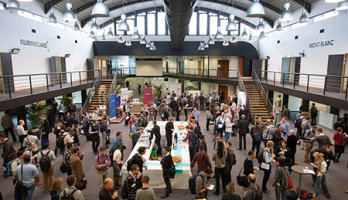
x,y
273,141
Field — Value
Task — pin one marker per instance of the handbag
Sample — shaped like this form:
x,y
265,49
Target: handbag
x,y
19,188
63,168
81,184
170,172
242,180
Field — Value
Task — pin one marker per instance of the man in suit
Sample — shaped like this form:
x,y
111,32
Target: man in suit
x,y
243,126
46,129
167,163
169,131
157,132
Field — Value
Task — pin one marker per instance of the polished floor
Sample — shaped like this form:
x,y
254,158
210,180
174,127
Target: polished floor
x,y
337,177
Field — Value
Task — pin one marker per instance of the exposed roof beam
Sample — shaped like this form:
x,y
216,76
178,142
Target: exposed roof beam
x,y
50,4
306,5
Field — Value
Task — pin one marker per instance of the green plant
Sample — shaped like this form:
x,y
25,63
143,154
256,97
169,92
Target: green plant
x,y
67,101
190,87
158,90
34,112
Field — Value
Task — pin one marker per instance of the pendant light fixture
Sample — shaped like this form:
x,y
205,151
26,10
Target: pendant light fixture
x,y
100,9
218,35
121,39
52,18
343,5
231,26
128,43
333,1
233,39
148,45
260,26
136,35
110,33
262,35
94,26
211,40
123,26
104,37
206,45
201,46
225,43
152,46
69,15
143,40
250,37
287,15
303,18
76,26
12,5
244,34
279,27
256,9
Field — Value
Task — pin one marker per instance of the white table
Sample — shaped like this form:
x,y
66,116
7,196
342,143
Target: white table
x,y
154,169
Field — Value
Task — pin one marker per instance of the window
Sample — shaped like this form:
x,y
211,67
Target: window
x,y
325,16
29,15
130,23
203,22
161,16
213,18
151,23
141,23
193,24
223,24
117,31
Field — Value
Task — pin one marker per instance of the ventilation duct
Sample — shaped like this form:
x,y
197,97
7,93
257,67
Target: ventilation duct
x,y
178,15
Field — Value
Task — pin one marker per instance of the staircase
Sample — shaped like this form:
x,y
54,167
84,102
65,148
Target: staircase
x,y
100,95
257,105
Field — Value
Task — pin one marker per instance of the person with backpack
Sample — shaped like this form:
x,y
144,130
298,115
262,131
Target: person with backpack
x,y
243,126
314,114
46,159
230,161
256,135
102,164
309,134
145,193
265,158
220,167
200,183
132,183
104,131
281,179
8,153
253,192
71,193
305,125
202,159
58,130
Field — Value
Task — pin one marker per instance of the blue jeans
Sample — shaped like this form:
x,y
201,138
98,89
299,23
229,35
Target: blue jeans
x,y
29,192
280,193
227,136
320,180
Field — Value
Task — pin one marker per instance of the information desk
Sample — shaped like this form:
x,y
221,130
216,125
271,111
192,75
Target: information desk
x,y
153,167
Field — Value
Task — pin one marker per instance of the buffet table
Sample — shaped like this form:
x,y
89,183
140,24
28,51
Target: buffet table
x,y
153,167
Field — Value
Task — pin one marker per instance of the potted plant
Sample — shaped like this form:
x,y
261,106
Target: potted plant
x,y
158,90
34,112
67,101
190,87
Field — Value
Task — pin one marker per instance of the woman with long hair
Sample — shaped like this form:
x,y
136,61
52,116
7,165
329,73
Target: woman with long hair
x,y
321,167
231,192
220,167
339,139
56,189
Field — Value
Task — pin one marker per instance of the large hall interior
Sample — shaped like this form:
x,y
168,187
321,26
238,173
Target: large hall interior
x,y
173,99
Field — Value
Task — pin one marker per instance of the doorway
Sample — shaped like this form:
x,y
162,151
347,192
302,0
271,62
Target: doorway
x,y
181,67
223,69
334,68
167,67
6,70
223,89
200,68
344,73
241,65
291,66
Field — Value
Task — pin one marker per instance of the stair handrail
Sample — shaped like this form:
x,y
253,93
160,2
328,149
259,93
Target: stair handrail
x,y
243,88
112,90
263,92
90,95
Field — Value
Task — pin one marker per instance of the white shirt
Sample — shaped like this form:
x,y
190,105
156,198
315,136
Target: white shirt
x,y
228,125
67,138
117,156
31,138
20,130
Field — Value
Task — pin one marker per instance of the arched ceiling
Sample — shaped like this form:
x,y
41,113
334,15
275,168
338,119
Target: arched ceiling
x,y
83,8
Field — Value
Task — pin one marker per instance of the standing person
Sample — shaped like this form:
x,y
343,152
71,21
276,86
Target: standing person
x,y
231,193
268,132
291,143
286,111
277,114
139,88
209,117
133,182
61,110
17,162
220,164
127,83
76,164
7,124
94,133
167,163
201,101
104,130
71,191
66,157
251,193
308,136
228,127
280,179
314,114
46,130
102,164
145,193
46,159
58,130
202,183
117,164
339,138
169,131
108,192
278,100
256,135
286,124
196,113
230,161
235,122
29,176
152,112
266,166
21,132
249,164
277,137
118,141
189,137
321,168
157,132
202,160
56,189
8,153
243,125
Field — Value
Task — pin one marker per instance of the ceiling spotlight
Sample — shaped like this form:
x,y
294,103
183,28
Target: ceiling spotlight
x,y
279,27
12,5
52,18
256,9
233,39
333,1
121,39
76,26
231,26
136,35
225,43
100,9
128,43
244,34
148,45
211,40
69,15
260,26
92,33
123,26
143,40
304,17
206,45
343,5
94,26
287,15
110,33
262,35
201,46
219,35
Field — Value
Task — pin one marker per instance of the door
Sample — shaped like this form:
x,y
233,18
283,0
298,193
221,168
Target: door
x,y
345,74
241,65
181,67
90,66
285,70
167,67
6,70
224,68
200,68
297,70
223,91
334,68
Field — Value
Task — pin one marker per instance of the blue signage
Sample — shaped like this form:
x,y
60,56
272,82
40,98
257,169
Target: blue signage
x,y
118,101
112,106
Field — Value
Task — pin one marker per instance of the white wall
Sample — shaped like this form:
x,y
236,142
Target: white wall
x,y
149,68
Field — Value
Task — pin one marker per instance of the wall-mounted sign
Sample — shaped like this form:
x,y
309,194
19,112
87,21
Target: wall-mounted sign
x,y
321,44
33,43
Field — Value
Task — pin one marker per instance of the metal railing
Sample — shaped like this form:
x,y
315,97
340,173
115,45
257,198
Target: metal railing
x,y
328,85
243,89
202,73
111,91
28,84
263,92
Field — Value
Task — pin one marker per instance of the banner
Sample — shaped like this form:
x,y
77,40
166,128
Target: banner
x,y
112,106
241,98
124,95
118,101
147,96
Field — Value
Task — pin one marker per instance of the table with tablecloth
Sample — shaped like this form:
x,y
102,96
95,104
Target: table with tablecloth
x,y
154,169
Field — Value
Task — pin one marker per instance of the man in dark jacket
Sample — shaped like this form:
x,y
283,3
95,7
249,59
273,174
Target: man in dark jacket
x,y
133,182
8,152
157,132
277,137
108,192
243,130
169,131
167,163
46,129
230,160
248,163
138,159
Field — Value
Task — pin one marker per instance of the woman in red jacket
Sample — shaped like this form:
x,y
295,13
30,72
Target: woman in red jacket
x,y
340,140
